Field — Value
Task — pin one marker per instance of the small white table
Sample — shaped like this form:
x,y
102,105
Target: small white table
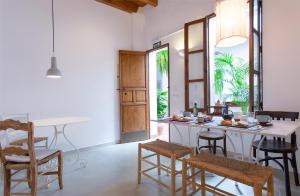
x,y
59,125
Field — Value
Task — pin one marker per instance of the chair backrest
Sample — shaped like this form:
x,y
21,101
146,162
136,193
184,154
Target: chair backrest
x,y
282,115
9,152
13,135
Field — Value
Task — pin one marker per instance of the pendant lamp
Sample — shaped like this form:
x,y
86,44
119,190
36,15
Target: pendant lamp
x,y
232,22
53,71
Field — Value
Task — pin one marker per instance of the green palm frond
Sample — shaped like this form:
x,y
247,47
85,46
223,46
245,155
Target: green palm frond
x,y
233,71
162,61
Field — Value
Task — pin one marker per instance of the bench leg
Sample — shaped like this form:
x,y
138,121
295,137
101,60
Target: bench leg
x,y
202,182
257,190
139,163
158,165
271,186
173,177
184,177
193,178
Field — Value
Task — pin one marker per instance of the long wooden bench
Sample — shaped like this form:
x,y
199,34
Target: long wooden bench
x,y
247,173
159,148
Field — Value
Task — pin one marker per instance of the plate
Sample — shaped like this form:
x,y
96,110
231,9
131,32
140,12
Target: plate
x,y
266,124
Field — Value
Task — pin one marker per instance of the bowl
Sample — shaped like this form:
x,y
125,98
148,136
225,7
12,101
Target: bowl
x,y
227,116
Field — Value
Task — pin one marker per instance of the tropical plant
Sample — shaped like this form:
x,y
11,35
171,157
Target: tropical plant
x,y
162,103
162,61
234,72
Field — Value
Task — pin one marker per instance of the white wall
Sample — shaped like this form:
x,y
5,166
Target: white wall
x,y
1,53
281,54
170,16
88,37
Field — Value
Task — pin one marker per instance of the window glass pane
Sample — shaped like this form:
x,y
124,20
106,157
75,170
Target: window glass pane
x,y
196,66
196,90
256,51
255,14
256,92
196,37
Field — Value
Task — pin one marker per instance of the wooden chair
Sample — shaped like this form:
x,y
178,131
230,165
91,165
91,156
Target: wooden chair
x,y
280,146
26,158
159,148
250,174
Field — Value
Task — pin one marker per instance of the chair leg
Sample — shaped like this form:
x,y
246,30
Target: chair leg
x,y
266,161
254,152
184,177
139,163
270,186
225,147
257,190
33,180
286,174
215,147
295,170
28,178
7,181
60,170
209,146
158,165
173,176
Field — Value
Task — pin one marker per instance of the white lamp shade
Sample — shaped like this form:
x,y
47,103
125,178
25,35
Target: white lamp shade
x,y
53,72
232,22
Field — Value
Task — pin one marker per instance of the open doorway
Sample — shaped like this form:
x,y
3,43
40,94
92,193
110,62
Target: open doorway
x,y
158,60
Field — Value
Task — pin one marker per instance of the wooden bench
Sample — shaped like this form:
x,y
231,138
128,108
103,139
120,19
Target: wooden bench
x,y
159,148
247,173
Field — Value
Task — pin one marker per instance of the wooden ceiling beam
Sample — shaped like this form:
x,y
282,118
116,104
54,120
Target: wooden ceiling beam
x,y
154,3
127,6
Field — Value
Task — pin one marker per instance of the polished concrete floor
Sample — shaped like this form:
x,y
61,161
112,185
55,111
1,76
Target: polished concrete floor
x,y
111,171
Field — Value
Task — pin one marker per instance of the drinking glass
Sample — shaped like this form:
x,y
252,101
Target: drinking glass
x,y
251,119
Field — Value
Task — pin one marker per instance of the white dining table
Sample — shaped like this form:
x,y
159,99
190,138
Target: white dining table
x,y
59,125
283,129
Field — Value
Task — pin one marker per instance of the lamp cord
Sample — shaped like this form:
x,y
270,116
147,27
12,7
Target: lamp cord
x,y
53,27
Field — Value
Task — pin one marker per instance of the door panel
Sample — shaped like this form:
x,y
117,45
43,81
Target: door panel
x,y
140,96
127,96
134,118
133,74
134,106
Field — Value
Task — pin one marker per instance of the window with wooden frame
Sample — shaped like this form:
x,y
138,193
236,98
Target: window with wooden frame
x,y
255,54
195,64
198,56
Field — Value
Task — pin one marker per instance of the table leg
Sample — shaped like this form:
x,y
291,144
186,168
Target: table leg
x,y
53,144
242,143
258,147
82,162
250,150
189,130
178,131
54,140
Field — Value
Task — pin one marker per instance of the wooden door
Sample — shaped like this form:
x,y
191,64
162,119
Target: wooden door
x,y
134,102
